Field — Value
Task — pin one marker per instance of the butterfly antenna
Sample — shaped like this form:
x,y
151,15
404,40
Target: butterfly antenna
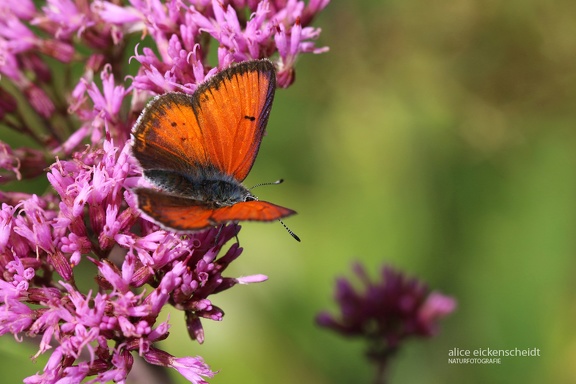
x,y
281,222
289,231
269,183
236,235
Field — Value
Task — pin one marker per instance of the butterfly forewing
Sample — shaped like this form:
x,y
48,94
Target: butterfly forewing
x,y
167,135
232,112
219,127
251,210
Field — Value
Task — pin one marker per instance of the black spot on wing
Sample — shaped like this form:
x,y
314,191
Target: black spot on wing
x,y
251,118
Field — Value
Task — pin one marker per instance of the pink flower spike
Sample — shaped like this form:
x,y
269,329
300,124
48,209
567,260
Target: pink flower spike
x,y
66,15
39,100
22,9
110,100
9,162
312,9
15,317
252,279
116,14
436,307
192,368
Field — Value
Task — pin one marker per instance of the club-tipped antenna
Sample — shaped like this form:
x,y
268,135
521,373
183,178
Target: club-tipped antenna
x,y
289,231
268,183
280,181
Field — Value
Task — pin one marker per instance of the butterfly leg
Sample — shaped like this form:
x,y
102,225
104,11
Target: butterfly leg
x,y
236,236
217,237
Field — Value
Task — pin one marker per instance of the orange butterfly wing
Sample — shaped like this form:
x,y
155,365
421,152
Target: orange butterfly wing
x,y
254,210
219,127
185,214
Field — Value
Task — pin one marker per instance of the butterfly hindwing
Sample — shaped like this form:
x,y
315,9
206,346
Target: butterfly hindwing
x,y
185,214
174,212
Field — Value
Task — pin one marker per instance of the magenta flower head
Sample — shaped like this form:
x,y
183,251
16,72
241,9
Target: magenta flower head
x,y
81,129
386,313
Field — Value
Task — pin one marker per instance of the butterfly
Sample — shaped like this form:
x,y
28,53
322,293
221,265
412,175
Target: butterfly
x,y
197,149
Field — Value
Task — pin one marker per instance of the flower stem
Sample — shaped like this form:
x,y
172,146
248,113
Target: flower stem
x,y
381,372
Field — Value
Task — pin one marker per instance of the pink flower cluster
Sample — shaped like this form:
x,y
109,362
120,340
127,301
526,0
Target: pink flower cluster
x,y
386,312
74,84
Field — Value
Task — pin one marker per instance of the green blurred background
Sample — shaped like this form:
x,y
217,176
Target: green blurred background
x,y
436,136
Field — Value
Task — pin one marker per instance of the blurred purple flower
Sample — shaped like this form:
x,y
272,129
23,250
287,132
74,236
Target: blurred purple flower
x,y
81,127
20,163
386,312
